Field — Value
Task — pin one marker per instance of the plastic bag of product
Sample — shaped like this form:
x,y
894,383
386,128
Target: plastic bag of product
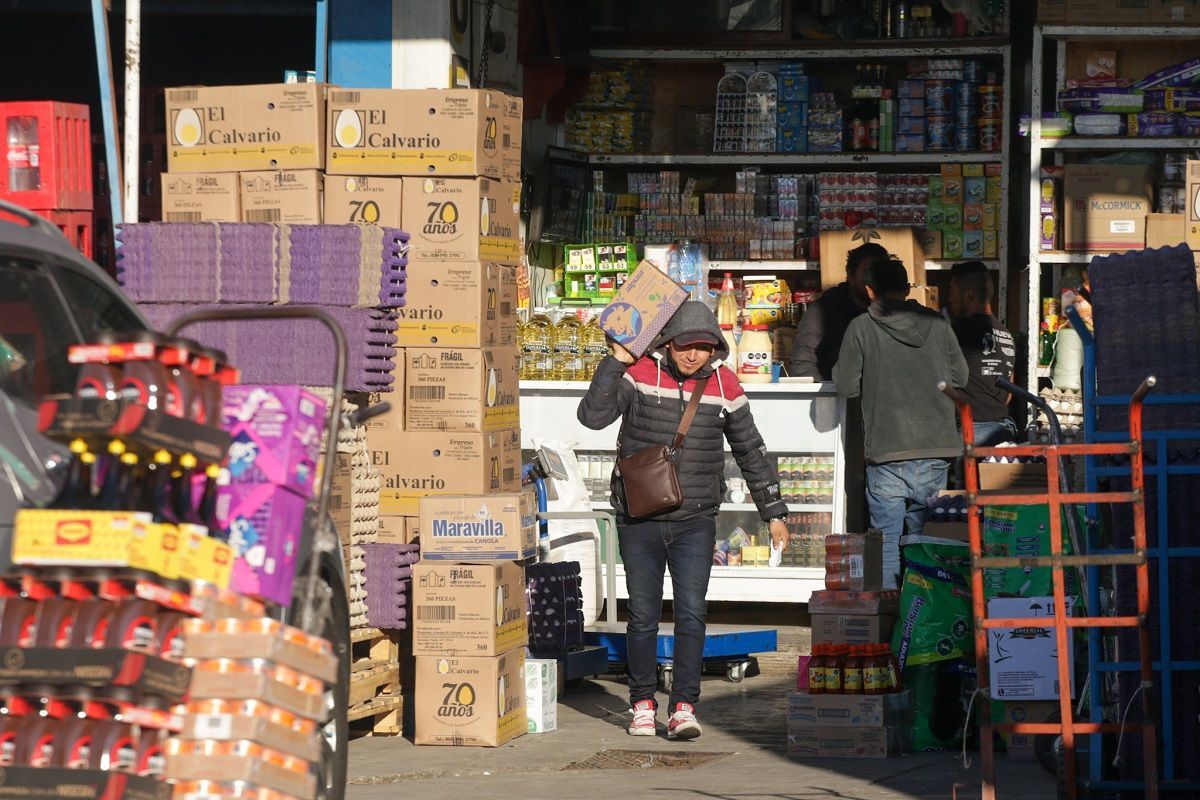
x,y
935,605
1024,531
941,693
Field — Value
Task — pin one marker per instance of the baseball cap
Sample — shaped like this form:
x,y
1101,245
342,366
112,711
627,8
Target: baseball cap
x,y
692,338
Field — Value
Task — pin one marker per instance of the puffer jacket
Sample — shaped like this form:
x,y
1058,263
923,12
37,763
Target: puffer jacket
x,y
650,397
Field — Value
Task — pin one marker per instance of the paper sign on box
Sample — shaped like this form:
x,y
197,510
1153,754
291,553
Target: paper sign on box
x,y
1023,662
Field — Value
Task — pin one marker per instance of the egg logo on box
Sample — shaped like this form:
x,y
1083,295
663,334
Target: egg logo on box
x,y
489,135
348,128
188,129
443,219
459,701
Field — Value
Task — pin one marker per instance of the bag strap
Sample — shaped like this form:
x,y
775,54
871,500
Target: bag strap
x,y
689,413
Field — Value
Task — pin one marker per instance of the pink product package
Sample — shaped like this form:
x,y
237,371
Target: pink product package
x,y
276,434
265,524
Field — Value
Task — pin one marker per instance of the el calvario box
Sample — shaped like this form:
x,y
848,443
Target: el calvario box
x,y
468,608
364,200
470,701
458,304
461,389
287,196
463,219
236,128
200,197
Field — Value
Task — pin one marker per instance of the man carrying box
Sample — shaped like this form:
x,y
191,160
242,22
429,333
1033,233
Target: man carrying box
x,y
894,357
651,396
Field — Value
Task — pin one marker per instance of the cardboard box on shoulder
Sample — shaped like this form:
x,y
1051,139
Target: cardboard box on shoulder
x,y
451,389
463,219
288,196
468,609
1106,207
201,197
364,200
443,132
478,702
496,527
458,304
418,464
641,308
235,128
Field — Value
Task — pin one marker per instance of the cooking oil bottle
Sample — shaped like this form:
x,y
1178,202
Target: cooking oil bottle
x,y
536,357
568,365
593,346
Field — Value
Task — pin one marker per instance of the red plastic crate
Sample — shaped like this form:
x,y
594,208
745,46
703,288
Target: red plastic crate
x,y
63,156
75,225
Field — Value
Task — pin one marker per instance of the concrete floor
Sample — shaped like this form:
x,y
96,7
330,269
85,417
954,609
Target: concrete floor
x,y
745,722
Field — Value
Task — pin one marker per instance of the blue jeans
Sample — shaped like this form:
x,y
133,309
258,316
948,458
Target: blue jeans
x,y
990,434
648,549
896,494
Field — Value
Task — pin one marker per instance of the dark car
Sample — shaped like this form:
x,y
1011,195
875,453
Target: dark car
x,y
52,297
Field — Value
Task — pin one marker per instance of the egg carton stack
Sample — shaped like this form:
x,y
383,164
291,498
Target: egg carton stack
x,y
388,570
1002,459
555,593
1067,404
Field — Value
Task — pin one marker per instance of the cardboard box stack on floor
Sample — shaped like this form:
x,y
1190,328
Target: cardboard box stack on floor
x,y
443,165
245,153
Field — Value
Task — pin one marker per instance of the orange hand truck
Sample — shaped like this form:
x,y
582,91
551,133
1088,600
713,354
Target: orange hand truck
x,y
1058,496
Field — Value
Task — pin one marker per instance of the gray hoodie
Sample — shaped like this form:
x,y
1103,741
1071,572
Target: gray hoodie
x,y
893,357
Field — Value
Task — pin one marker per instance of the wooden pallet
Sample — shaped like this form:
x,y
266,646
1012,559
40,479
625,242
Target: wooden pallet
x,y
375,692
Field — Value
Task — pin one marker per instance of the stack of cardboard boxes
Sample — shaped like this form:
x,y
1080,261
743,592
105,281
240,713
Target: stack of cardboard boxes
x,y
470,618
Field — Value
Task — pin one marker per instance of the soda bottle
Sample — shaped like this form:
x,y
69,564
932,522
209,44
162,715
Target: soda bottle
x,y
24,162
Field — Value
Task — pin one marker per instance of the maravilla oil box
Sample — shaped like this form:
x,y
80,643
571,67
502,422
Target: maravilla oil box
x,y
458,304
444,132
418,464
463,219
289,196
201,197
455,389
476,702
234,128
497,527
468,609
364,200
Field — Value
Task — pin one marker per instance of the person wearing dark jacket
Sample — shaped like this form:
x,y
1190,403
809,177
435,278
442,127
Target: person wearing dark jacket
x,y
650,395
821,330
894,357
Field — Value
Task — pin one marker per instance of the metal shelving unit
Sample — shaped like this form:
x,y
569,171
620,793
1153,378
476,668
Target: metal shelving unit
x,y
1053,148
816,162
803,265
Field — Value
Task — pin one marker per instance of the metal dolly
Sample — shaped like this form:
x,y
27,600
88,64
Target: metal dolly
x,y
1166,664
1056,498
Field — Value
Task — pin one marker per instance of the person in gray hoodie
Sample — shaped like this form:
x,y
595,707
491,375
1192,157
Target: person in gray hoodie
x,y
649,395
894,357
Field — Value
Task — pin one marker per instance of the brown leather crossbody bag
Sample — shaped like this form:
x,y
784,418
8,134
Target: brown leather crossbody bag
x,y
649,477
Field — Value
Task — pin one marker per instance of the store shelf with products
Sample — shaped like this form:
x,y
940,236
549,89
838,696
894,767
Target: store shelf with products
x,y
1121,143
798,422
769,266
816,160
887,48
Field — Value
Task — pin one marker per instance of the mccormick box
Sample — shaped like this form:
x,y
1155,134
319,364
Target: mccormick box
x,y
235,128
642,308
499,527
290,196
478,702
201,197
265,524
468,609
418,464
276,434
458,304
443,132
461,389
364,200
463,219
1106,207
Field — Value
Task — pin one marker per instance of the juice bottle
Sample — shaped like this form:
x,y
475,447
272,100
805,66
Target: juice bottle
x,y
834,669
593,347
816,669
565,346
727,304
852,672
536,357
875,671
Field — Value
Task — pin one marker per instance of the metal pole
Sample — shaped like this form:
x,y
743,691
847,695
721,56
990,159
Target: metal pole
x,y
321,65
108,109
133,91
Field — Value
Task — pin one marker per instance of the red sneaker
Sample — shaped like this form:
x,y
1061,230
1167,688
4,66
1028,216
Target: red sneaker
x,y
683,723
644,722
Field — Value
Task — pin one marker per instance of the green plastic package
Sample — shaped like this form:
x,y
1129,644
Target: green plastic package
x,y
941,693
935,621
1024,531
